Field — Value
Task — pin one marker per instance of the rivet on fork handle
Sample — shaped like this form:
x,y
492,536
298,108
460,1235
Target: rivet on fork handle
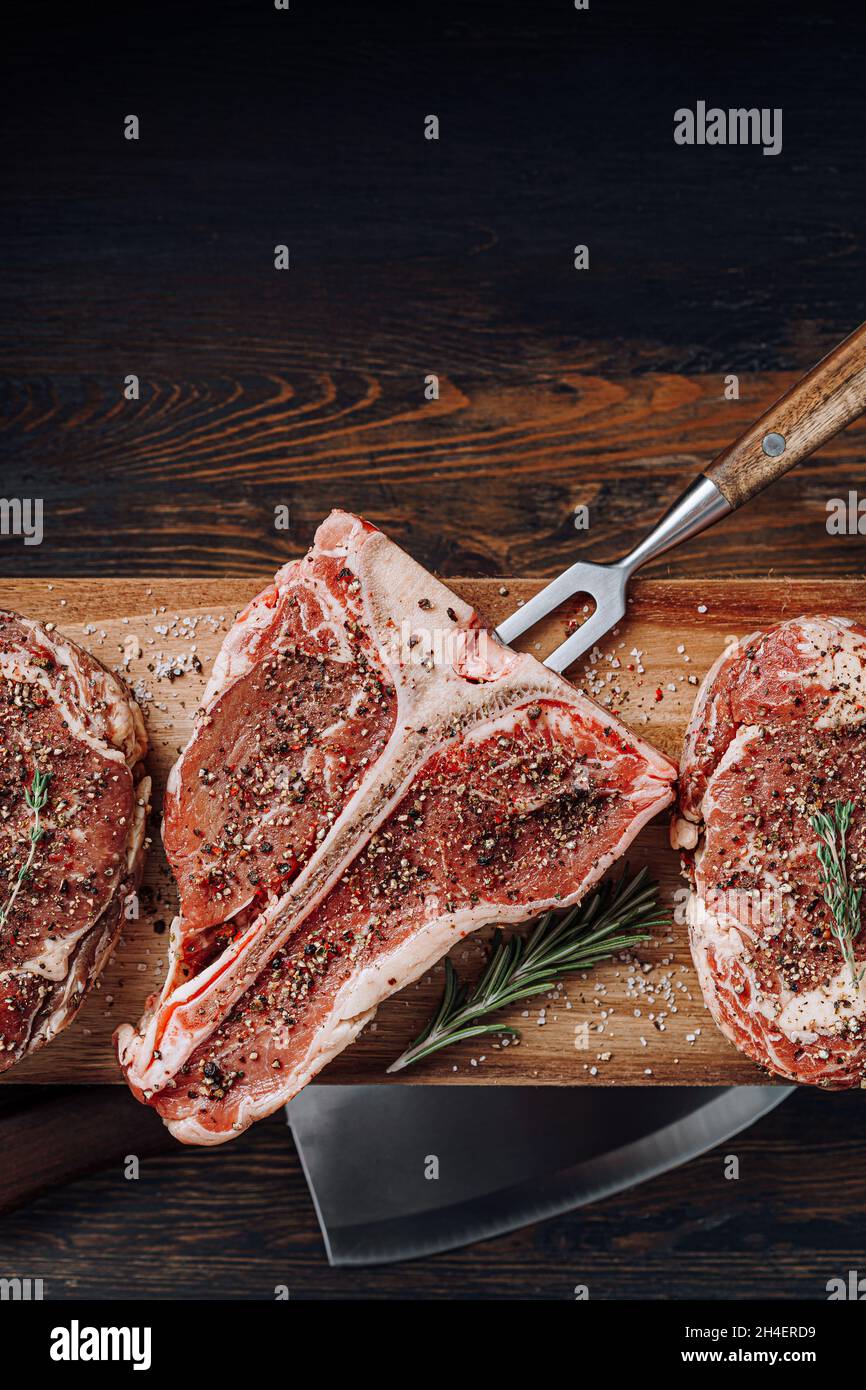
x,y
815,409
773,445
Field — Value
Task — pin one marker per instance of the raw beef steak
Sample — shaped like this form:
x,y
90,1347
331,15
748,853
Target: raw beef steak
x,y
777,734
372,777
72,730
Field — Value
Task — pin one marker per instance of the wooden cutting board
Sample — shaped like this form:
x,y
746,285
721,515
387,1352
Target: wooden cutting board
x,y
642,1023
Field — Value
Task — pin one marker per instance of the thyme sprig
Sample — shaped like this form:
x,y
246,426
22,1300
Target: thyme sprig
x,y
840,896
616,918
36,797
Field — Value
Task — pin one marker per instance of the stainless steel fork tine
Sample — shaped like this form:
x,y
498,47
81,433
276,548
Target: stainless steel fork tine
x,y
581,641
699,506
815,409
572,581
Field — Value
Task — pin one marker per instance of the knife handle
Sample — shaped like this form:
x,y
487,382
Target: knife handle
x,y
820,405
57,1135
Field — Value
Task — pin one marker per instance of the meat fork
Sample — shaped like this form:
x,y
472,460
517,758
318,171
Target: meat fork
x,y
816,408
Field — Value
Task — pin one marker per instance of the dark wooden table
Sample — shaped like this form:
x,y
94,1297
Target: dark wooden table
x,y
236,1222
262,389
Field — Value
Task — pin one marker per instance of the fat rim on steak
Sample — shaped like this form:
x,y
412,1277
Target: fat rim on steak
x,y
73,811
371,778
778,736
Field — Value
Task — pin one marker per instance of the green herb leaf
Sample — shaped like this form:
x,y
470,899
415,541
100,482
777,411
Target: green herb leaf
x,y
36,798
616,918
841,898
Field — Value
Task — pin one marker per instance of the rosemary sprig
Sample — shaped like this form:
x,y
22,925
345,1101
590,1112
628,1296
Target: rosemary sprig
x,y
617,917
36,797
842,899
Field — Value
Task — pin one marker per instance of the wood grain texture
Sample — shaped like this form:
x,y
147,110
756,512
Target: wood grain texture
x,y
306,389
412,257
641,1022
812,411
236,1221
188,479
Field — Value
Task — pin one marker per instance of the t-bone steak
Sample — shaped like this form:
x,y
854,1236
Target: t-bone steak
x,y
67,867
778,733
372,777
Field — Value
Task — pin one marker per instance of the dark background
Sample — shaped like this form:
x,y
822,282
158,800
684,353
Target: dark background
x,y
306,388
409,257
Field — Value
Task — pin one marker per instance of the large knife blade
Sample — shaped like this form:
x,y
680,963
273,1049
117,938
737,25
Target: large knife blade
x,y
397,1172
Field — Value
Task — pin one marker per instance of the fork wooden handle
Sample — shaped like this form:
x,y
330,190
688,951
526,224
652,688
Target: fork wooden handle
x,y
817,407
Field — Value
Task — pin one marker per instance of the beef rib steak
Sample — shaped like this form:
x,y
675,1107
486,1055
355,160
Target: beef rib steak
x,y
66,866
778,733
372,777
